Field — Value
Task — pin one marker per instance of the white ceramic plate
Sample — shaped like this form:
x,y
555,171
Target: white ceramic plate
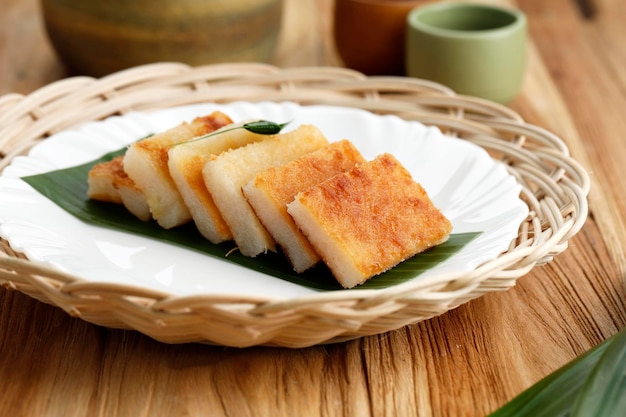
x,y
475,192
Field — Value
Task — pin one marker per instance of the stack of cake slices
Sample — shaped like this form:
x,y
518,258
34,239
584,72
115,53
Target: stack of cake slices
x,y
296,192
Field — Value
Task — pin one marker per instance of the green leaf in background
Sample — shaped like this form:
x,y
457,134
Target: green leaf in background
x,y
68,189
604,391
592,385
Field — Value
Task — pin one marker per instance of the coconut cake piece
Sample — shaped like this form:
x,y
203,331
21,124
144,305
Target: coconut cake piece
x,y
108,182
145,162
271,190
367,220
226,174
186,161
101,181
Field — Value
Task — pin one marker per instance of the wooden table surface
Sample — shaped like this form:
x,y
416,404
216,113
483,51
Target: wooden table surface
x,y
466,362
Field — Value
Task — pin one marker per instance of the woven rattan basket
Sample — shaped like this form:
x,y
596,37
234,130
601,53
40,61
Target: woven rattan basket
x,y
554,187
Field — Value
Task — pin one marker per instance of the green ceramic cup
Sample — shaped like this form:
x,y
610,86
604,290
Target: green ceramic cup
x,y
475,49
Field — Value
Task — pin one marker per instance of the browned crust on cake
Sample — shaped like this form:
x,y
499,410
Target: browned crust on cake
x,y
282,183
104,179
186,163
376,215
146,163
111,172
157,146
271,190
226,174
191,171
109,182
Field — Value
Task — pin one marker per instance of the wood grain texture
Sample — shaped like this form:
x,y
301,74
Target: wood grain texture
x,y
466,362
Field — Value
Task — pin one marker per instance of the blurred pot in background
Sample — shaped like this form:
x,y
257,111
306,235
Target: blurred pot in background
x,y
370,34
97,37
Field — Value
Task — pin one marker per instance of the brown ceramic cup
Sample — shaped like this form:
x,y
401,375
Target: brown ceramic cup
x,y
370,34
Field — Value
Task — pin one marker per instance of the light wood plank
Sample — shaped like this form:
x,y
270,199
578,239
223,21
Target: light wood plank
x,y
466,362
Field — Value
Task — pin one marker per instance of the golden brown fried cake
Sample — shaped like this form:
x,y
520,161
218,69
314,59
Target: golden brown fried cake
x,y
367,220
108,182
226,174
146,161
101,181
270,191
186,161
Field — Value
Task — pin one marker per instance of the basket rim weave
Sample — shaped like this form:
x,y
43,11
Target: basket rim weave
x,y
554,185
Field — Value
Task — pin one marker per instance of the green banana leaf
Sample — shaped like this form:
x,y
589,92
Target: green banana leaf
x,y
592,385
68,189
